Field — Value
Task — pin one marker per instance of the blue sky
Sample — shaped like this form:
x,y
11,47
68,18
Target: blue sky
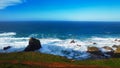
x,y
65,10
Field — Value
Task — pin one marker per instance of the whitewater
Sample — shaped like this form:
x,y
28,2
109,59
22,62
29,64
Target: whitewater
x,y
56,46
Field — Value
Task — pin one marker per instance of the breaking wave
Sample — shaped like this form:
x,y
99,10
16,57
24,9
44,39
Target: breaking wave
x,y
56,46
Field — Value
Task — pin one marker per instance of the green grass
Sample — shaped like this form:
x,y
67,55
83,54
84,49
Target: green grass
x,y
32,56
47,58
8,65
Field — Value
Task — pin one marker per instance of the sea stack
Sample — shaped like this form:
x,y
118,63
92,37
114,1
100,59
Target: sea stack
x,y
34,44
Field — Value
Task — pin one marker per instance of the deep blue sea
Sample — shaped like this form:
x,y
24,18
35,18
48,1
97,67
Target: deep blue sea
x,y
55,36
64,29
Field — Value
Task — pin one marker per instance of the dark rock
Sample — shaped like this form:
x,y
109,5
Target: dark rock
x,y
92,49
73,41
8,47
34,44
107,48
95,51
116,53
115,40
109,54
116,46
78,45
94,43
118,40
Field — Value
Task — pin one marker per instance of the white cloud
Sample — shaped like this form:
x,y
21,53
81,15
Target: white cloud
x,y
6,3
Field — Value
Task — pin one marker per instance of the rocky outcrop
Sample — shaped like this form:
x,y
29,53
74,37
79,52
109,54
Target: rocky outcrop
x,y
34,44
73,41
94,43
6,48
118,40
113,53
116,46
107,48
116,53
109,51
117,50
94,51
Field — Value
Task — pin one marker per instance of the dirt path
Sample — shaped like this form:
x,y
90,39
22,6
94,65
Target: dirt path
x,y
52,65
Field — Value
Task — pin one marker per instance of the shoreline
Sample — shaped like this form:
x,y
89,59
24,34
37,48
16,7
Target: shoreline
x,y
91,52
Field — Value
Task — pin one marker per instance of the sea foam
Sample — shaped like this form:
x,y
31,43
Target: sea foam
x,y
56,46
8,34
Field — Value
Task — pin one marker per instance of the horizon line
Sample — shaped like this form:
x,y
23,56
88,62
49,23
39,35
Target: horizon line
x,y
55,21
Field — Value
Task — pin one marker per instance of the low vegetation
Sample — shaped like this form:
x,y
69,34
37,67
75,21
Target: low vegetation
x,y
39,60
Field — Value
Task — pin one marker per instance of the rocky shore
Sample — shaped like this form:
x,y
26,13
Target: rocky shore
x,y
97,52
94,52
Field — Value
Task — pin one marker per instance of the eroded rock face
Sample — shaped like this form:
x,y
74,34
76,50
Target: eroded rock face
x,y
34,44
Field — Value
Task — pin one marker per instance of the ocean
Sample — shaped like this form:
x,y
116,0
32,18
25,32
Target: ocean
x,y
55,36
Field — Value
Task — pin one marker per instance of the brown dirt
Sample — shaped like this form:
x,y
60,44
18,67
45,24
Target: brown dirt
x,y
52,65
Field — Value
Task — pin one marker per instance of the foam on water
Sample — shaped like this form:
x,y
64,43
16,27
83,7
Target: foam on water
x,y
56,46
8,39
64,48
8,34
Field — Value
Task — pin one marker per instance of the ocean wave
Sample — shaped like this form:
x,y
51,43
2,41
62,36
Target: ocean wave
x,y
56,46
8,34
